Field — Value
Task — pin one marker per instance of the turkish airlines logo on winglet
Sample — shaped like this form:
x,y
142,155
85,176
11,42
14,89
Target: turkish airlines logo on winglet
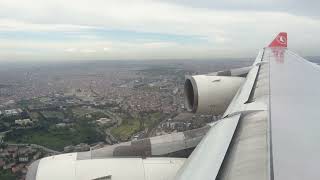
x,y
282,39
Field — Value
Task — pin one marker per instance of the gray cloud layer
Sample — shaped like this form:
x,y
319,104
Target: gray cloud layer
x,y
297,7
231,28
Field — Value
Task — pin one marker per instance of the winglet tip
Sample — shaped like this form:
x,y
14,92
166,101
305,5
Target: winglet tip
x,y
280,41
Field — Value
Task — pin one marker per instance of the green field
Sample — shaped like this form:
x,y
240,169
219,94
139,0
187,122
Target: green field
x,y
52,114
132,125
35,116
151,119
79,111
126,129
57,138
31,103
7,175
95,113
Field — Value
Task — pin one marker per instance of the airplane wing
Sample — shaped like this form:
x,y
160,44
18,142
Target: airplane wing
x,y
270,130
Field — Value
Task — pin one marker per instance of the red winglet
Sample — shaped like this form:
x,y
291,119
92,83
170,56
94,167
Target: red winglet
x,y
280,41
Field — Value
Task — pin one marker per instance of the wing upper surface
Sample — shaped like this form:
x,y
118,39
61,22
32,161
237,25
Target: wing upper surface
x,y
294,114
283,141
277,133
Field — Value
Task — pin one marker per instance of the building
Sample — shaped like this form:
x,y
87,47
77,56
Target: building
x,y
11,112
61,125
23,159
103,120
82,147
78,148
23,122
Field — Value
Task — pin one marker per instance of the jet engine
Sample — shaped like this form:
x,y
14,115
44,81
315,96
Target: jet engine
x,y
210,94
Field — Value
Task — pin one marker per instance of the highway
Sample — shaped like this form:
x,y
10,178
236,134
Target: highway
x,y
36,146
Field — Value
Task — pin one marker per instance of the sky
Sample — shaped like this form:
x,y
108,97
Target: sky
x,y
66,30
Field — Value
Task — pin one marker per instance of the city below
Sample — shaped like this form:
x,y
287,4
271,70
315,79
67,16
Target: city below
x,y
48,109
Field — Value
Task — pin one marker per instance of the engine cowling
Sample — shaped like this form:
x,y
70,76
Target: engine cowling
x,y
210,94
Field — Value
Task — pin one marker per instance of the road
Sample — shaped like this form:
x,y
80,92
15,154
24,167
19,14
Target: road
x,y
37,146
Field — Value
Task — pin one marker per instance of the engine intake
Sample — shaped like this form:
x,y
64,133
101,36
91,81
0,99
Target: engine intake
x,y
210,94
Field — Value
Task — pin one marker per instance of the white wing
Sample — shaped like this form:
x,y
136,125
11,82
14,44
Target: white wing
x,y
277,136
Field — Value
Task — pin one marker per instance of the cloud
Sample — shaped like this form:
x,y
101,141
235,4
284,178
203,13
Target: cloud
x,y
71,50
153,28
19,25
89,50
296,7
106,49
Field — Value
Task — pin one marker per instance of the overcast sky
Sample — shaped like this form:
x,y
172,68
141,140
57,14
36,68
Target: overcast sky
x,y
153,29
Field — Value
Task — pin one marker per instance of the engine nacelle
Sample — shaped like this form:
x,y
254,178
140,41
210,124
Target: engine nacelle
x,y
210,94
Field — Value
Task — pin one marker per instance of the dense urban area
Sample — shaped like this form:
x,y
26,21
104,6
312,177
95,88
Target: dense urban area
x,y
53,108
